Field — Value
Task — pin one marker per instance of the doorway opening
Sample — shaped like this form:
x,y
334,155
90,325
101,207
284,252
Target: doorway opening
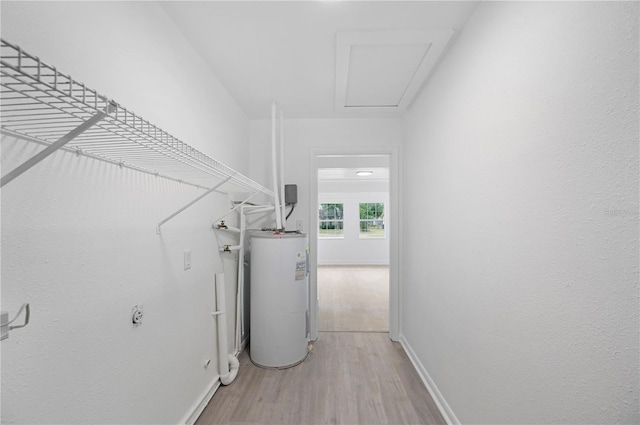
x,y
354,274
353,245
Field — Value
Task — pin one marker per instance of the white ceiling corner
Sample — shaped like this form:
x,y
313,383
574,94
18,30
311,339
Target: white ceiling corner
x,y
384,70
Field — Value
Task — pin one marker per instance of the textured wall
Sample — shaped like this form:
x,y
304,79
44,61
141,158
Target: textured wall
x,y
79,240
304,138
520,263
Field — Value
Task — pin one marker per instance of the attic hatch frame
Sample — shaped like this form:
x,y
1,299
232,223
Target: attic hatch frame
x,y
40,104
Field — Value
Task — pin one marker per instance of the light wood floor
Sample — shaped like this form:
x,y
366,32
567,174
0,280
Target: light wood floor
x,y
351,377
353,298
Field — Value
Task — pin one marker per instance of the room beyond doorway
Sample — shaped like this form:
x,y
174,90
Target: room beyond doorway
x,y
371,228
353,298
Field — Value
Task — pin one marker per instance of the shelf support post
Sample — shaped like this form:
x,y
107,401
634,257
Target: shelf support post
x,y
56,145
191,203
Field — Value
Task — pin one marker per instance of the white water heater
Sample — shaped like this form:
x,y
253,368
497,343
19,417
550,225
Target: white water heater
x,y
279,295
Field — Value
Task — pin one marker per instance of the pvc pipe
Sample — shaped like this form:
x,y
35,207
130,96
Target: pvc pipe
x,y
225,360
276,198
240,291
222,326
234,365
282,204
228,248
228,229
236,207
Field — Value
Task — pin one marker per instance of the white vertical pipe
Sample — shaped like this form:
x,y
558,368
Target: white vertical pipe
x,y
224,358
222,325
282,204
240,293
274,166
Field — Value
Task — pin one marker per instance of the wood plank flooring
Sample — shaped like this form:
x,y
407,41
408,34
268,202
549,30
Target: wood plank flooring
x,y
353,298
354,375
349,378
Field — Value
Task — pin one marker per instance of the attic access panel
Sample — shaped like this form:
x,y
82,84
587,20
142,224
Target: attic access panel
x,y
384,70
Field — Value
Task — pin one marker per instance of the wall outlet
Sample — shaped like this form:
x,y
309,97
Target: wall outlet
x,y
187,260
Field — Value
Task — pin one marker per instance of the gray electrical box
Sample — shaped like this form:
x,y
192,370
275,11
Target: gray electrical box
x,y
290,194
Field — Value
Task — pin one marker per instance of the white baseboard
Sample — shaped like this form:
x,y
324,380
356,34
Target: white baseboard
x,y
196,411
442,404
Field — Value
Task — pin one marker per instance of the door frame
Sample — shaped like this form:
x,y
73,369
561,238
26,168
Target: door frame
x,y
395,233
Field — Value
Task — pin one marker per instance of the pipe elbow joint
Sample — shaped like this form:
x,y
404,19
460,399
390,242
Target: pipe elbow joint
x,y
234,365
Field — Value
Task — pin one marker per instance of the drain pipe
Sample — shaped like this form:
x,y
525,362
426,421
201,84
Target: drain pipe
x,y
283,220
228,363
274,167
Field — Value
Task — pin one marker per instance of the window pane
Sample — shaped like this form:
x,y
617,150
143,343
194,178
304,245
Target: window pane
x,y
372,220
330,221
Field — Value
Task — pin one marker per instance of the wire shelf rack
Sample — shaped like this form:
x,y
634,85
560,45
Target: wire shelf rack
x,y
41,104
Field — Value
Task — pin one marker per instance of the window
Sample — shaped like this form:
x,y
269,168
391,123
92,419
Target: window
x,y
372,221
330,220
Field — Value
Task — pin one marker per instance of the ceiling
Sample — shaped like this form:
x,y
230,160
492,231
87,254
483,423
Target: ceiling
x,y
342,174
321,59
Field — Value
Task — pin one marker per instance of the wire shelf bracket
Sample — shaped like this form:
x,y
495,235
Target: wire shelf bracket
x,y
40,104
246,201
213,189
25,166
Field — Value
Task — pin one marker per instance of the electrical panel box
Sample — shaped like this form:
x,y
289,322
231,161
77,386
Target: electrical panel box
x,y
290,194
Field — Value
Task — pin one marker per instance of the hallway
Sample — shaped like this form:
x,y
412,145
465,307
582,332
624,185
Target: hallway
x,y
487,151
354,375
349,378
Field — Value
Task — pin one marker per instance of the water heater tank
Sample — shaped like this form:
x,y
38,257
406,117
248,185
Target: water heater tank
x,y
279,299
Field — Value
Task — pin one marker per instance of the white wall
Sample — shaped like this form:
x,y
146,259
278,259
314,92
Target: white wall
x,y
520,256
79,240
304,139
351,249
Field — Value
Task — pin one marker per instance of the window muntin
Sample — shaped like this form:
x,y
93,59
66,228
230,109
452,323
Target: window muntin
x,y
372,220
331,220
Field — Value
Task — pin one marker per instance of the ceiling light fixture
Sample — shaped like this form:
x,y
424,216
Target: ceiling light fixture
x,y
363,173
